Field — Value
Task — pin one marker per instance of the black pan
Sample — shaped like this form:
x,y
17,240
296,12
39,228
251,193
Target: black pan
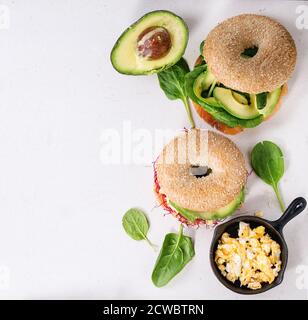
x,y
273,228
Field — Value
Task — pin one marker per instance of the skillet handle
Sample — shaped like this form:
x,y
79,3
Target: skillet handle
x,y
295,208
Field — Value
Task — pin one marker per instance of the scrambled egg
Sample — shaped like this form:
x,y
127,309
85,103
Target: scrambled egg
x,y
253,258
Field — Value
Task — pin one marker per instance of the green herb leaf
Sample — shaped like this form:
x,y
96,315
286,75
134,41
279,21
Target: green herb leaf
x,y
261,100
217,112
268,163
136,224
176,252
172,82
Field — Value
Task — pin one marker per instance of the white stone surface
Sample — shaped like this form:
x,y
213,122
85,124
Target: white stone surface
x,y
61,208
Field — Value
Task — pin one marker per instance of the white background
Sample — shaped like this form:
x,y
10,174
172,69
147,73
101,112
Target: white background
x,y
60,207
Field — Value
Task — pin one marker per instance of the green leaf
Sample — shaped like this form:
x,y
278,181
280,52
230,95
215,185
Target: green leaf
x,y
172,82
176,252
136,224
261,100
218,113
268,163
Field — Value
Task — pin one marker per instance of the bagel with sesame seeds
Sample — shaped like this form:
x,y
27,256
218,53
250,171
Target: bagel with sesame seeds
x,y
240,77
200,177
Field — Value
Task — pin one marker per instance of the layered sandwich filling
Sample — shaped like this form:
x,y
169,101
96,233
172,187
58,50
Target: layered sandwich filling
x,y
191,217
228,106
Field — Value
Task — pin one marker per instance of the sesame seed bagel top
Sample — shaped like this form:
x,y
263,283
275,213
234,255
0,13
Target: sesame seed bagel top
x,y
268,69
201,148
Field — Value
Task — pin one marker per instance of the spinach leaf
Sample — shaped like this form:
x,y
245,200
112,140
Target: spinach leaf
x,y
136,225
172,82
268,163
261,100
219,114
176,252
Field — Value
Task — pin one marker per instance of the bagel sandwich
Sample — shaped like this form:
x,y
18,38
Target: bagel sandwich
x,y
200,177
241,75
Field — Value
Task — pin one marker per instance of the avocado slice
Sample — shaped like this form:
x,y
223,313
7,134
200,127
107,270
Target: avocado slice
x,y
125,56
219,214
271,102
202,88
203,82
239,97
230,104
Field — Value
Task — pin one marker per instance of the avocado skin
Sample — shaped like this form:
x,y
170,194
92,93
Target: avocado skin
x,y
136,23
219,214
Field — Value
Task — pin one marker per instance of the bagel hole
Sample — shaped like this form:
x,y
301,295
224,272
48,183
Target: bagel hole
x,y
249,52
200,171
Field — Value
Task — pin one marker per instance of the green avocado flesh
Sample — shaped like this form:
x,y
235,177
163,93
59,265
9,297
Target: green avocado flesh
x,y
125,57
230,104
226,105
216,215
240,97
271,102
203,82
202,86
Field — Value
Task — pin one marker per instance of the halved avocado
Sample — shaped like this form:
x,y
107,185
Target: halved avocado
x,y
125,57
219,214
271,102
230,104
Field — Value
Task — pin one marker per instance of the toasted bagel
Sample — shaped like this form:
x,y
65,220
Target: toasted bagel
x,y
267,70
202,148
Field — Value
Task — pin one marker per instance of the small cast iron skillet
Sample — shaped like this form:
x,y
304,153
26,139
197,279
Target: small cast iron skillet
x,y
273,228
